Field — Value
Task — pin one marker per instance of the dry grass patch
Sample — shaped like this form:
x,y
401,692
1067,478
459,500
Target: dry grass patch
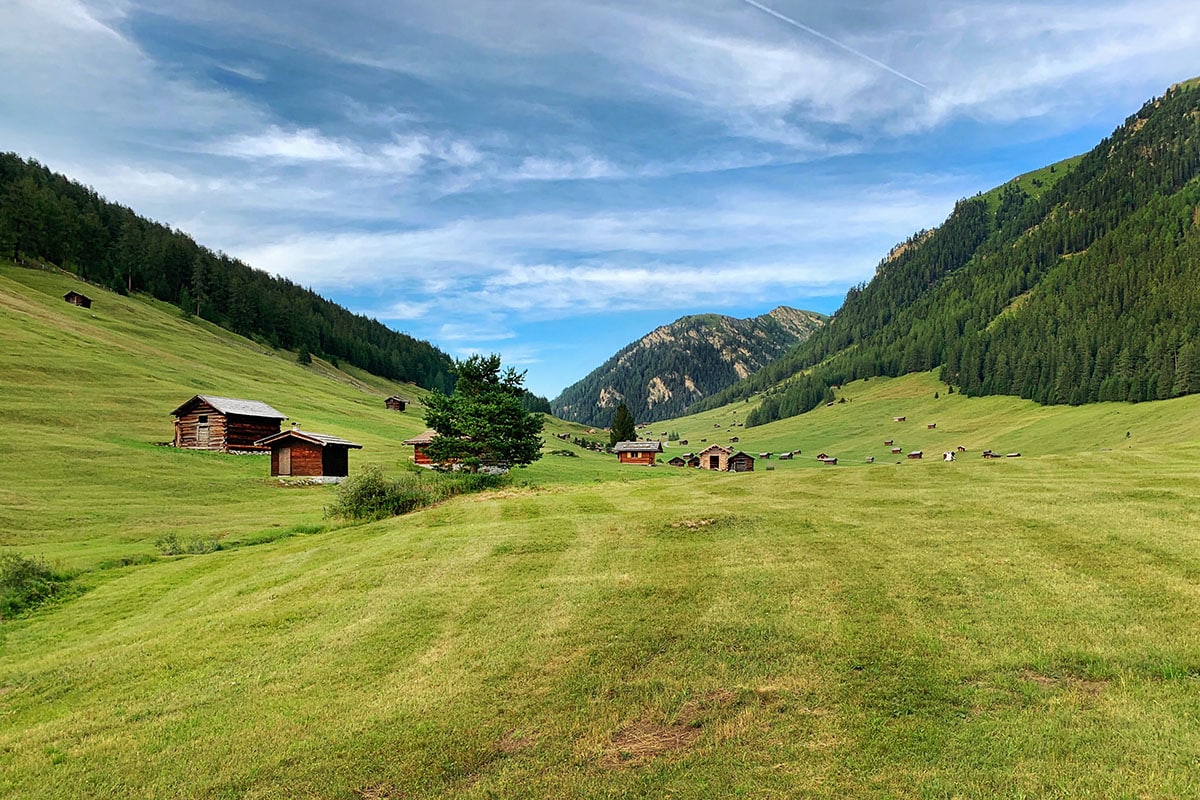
x,y
1088,686
379,791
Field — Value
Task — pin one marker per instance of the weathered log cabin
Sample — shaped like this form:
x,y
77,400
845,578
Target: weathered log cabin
x,y
225,424
396,403
312,455
643,453
740,462
419,443
76,299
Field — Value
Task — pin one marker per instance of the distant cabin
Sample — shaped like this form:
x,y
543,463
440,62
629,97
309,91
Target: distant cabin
x,y
637,452
916,454
314,455
715,458
225,424
735,440
931,425
896,451
685,460
785,456
396,403
419,443
898,419
888,442
76,299
740,462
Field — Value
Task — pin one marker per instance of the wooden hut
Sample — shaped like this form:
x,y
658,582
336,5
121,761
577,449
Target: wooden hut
x,y
715,457
916,454
76,299
741,462
314,455
207,422
419,443
638,452
396,403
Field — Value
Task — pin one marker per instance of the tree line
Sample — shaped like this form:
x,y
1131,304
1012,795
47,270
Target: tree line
x,y
46,217
1084,293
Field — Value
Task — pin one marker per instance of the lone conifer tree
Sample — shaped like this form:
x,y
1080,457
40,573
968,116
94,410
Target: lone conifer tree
x,y
622,426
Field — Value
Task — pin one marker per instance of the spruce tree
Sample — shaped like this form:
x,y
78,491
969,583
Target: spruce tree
x,y
623,428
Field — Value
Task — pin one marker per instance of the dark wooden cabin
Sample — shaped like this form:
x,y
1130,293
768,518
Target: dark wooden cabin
x,y
396,403
643,453
76,299
207,422
311,455
740,462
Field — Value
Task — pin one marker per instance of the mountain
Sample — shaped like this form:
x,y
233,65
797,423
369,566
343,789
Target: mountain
x,y
1076,283
48,218
663,373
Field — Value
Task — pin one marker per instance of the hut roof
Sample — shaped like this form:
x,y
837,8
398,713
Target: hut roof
x,y
638,447
323,439
740,455
74,293
713,447
396,397
423,438
230,405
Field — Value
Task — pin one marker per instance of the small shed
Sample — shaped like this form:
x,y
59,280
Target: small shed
x,y
638,452
734,439
77,299
740,462
208,422
916,454
898,419
785,456
715,458
419,443
888,442
931,425
896,451
396,403
311,455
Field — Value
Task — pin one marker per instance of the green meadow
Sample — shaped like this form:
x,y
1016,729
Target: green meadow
x,y
1022,627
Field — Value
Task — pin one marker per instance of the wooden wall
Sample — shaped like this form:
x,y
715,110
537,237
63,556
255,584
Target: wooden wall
x,y
636,458
234,432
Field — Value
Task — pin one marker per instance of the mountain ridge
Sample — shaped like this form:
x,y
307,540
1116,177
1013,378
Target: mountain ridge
x,y
661,374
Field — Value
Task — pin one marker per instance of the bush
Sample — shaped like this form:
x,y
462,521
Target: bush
x,y
171,545
371,495
27,582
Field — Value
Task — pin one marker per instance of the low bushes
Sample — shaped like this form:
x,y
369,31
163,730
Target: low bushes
x,y
27,582
372,495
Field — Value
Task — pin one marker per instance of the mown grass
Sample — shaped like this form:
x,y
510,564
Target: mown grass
x,y
1021,628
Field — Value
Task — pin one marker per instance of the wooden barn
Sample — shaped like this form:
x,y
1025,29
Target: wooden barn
x,y
224,424
715,457
916,454
643,453
419,443
76,299
741,462
396,403
685,460
312,455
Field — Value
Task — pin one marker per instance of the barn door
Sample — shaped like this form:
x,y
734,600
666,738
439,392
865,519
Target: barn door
x,y
202,430
285,461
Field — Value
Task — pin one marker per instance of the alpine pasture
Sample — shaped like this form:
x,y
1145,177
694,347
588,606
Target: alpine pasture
x,y
1022,627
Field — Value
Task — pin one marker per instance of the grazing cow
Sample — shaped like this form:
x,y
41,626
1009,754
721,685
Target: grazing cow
x,y
947,456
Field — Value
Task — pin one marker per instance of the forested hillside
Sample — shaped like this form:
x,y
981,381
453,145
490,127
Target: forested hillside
x,y
663,373
1083,290
47,217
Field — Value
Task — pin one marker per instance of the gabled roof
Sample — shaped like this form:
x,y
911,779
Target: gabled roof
x,y
741,454
323,439
638,447
74,293
712,447
230,405
423,438
396,397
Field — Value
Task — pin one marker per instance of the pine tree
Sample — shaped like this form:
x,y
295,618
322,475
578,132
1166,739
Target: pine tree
x,y
623,427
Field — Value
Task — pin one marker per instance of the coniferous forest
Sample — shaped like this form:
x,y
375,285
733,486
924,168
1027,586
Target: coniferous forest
x,y
46,217
1084,291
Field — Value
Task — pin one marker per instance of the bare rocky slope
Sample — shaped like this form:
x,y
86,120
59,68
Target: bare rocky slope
x,y
663,373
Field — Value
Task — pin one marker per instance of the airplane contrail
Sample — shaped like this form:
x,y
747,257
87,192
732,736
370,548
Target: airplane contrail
x,y
834,42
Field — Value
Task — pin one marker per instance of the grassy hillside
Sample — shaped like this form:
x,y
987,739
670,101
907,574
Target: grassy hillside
x,y
977,629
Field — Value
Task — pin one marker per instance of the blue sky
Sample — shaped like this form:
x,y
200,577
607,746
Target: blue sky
x,y
551,179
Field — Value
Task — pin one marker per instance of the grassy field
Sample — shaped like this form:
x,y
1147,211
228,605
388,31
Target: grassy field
x,y
1018,628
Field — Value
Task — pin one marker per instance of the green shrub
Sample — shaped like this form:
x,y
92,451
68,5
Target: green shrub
x,y
372,495
27,582
171,545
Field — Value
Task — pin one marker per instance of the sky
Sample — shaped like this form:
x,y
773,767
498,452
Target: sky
x,y
552,179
